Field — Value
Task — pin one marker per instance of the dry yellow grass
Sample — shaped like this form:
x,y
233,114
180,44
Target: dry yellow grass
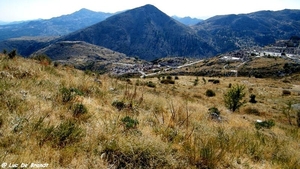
x,y
174,128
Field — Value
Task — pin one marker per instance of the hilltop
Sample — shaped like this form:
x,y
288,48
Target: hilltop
x,y
145,32
56,115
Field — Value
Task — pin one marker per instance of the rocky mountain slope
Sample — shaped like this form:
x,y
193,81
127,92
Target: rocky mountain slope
x,y
230,32
145,32
56,26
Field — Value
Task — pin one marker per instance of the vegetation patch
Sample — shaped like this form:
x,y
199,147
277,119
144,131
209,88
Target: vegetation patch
x,y
264,124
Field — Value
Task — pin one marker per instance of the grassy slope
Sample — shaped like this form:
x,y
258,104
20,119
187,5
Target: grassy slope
x,y
174,129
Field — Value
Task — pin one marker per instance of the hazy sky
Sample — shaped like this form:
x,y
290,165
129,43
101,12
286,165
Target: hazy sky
x,y
16,10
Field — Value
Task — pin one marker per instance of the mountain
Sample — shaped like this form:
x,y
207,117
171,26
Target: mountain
x,y
187,20
25,46
145,32
53,27
230,32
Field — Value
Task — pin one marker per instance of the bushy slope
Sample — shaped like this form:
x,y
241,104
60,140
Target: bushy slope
x,y
68,119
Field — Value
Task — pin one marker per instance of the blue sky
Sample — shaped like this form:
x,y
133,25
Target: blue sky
x,y
17,10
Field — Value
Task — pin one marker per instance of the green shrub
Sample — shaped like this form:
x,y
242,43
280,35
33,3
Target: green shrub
x,y
12,54
264,124
43,58
69,94
64,134
196,82
129,123
214,81
151,84
252,111
66,94
167,81
214,110
119,105
252,98
210,93
286,92
79,109
234,96
176,78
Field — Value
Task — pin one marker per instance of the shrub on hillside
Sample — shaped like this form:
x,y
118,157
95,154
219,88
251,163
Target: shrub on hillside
x,y
252,111
286,92
264,124
234,96
214,81
118,104
167,81
44,59
66,133
79,109
252,98
151,84
129,123
12,54
69,93
210,93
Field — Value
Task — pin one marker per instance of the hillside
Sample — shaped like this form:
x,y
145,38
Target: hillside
x,y
55,116
56,26
231,32
145,32
84,56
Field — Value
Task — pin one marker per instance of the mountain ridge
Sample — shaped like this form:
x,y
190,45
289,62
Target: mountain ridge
x,y
55,26
146,32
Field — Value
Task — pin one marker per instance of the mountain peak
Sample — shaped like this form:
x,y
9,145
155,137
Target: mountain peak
x,y
145,32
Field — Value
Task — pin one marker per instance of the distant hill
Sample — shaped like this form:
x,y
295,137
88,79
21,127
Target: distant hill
x,y
82,55
56,26
230,32
25,46
188,20
145,32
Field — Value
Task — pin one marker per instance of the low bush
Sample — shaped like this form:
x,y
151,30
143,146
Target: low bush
x,y
129,123
69,94
167,81
64,134
214,81
12,54
252,111
210,93
43,59
286,92
151,84
119,104
79,109
252,98
264,124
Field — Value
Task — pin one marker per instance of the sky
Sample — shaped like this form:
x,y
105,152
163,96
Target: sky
x,y
20,10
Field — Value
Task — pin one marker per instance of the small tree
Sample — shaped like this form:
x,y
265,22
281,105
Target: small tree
x,y
234,96
12,54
